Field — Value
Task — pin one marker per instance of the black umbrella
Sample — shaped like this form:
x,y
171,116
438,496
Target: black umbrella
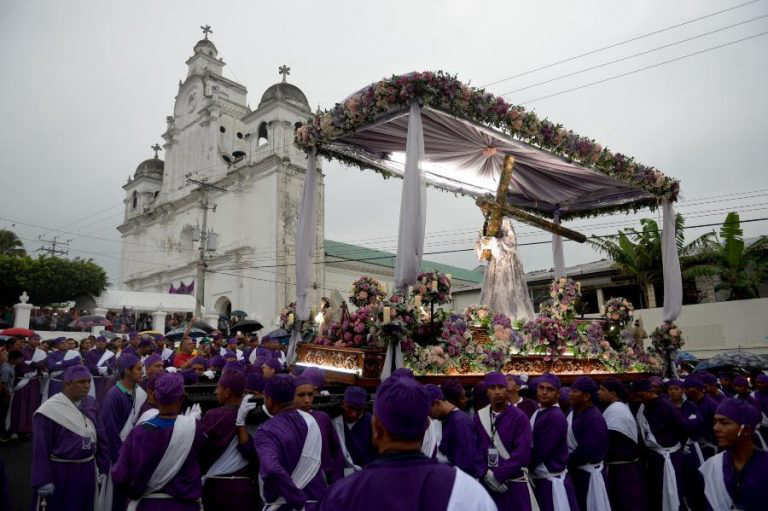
x,y
247,326
202,325
179,333
277,335
740,359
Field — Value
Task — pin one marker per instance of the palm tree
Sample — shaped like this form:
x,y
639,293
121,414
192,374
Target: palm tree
x,y
637,253
10,244
741,268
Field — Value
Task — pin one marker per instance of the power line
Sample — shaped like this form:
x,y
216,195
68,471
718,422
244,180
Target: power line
x,y
645,68
620,43
628,57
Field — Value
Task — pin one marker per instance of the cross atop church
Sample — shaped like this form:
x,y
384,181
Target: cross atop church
x,y
156,148
206,30
285,71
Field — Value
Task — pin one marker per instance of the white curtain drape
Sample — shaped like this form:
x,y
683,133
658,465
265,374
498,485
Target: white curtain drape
x,y
413,205
673,279
305,244
557,252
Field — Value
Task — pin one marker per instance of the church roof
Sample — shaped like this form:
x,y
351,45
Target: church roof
x,y
346,251
284,91
206,43
150,167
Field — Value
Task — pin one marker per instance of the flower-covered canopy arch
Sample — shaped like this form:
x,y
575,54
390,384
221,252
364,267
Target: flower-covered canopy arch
x,y
467,134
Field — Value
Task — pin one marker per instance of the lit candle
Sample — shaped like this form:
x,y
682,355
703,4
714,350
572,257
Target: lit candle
x,y
386,316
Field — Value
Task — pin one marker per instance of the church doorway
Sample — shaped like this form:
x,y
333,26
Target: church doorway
x,y
223,306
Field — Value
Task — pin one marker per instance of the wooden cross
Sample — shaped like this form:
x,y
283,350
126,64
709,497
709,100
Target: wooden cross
x,y
156,148
495,209
285,71
206,30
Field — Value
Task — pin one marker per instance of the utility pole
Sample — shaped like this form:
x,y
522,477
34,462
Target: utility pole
x,y
204,188
51,249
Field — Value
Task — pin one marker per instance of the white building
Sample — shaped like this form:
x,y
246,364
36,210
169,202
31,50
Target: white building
x,y
258,173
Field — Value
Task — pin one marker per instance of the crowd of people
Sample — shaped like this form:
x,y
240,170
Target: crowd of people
x,y
111,429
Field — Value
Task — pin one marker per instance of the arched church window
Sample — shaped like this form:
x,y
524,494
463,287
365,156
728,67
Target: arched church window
x,y
263,137
135,199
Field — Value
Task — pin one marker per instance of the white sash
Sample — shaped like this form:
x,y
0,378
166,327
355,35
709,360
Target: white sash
x,y
108,354
229,462
714,483
309,461
618,417
572,443
173,459
139,397
148,415
341,430
670,498
597,495
252,356
239,354
432,437
61,410
166,354
70,354
559,494
38,356
467,493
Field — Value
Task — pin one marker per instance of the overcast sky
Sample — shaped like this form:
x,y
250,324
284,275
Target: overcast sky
x,y
87,85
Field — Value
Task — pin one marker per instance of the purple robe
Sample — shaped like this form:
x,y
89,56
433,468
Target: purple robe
x,y
528,406
669,428
25,401
401,481
101,384
240,492
114,411
624,476
56,364
514,429
591,435
279,442
333,456
550,447
359,441
459,443
75,483
747,488
139,456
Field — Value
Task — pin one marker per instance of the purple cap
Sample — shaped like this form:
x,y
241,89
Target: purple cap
x,y
101,338
280,388
199,361
152,359
230,354
693,381
274,364
218,362
233,380
674,382
656,381
762,378
231,340
549,378
402,372
58,340
355,396
169,388
218,336
495,378
74,373
189,376
133,334
254,382
146,340
513,377
402,407
740,412
452,390
707,378
298,381
614,385
740,381
126,361
585,384
315,375
434,392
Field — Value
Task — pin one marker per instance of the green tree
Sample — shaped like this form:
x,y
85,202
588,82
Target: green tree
x,y
10,244
49,280
741,268
637,253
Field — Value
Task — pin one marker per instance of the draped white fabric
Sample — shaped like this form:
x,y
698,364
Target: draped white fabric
x,y
673,280
558,259
413,205
305,238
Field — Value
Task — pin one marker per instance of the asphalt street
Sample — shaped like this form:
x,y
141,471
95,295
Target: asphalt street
x,y
17,458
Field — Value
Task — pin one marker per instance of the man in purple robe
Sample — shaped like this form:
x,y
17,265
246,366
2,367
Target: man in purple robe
x,y
587,446
456,394
333,455
158,466
514,385
68,446
549,458
228,453
698,412
289,446
736,477
120,410
710,386
663,432
504,447
57,365
24,389
270,367
402,477
153,366
101,363
761,399
458,444
741,390
624,477
353,427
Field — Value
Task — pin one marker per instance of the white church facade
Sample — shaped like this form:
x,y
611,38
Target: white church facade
x,y
253,177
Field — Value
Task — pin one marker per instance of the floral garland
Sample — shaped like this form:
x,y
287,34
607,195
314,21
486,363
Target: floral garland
x,y
445,92
619,311
550,336
353,329
478,316
365,291
433,287
565,293
667,337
